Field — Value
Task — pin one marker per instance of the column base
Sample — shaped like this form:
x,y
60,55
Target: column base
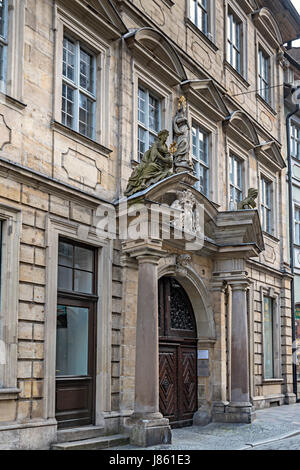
x,y
242,412
290,398
146,431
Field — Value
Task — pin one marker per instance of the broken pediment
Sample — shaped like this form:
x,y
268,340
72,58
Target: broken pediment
x,y
269,153
237,232
154,51
267,24
240,127
205,95
101,14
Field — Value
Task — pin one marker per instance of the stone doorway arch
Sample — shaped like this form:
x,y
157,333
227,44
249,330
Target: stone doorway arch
x,y
180,268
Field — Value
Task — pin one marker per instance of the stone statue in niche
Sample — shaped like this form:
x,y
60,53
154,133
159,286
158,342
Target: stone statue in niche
x,y
156,165
181,129
249,201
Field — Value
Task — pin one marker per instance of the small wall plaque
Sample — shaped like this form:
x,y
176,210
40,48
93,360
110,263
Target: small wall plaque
x,y
203,354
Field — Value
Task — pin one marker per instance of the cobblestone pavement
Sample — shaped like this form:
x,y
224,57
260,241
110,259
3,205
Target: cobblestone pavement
x,y
271,423
292,443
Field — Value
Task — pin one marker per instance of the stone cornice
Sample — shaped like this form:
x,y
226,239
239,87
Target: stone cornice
x,y
32,178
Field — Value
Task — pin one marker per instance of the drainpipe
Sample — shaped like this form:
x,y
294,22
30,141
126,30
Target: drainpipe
x,y
291,230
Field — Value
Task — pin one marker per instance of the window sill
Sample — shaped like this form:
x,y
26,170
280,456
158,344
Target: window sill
x,y
272,237
9,393
272,381
80,138
267,105
168,3
14,102
237,74
201,35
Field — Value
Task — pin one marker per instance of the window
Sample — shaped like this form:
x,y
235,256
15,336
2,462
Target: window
x,y
297,321
266,205
295,141
75,268
264,76
199,14
75,332
200,143
149,120
3,42
268,338
78,88
234,41
10,234
297,225
236,181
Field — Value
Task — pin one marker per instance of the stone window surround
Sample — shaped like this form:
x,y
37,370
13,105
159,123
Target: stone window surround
x,y
244,39
295,124
234,149
164,93
211,20
261,44
66,24
263,173
15,50
11,235
296,222
275,295
201,121
58,227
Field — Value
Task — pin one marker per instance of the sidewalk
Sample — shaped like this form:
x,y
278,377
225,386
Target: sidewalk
x,y
271,423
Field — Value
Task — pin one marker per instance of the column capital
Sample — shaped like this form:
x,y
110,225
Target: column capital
x,y
239,284
145,251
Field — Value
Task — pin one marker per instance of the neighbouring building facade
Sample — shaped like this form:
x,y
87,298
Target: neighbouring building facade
x,y
102,335
292,79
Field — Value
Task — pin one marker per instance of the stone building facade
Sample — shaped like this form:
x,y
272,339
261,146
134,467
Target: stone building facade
x,y
85,87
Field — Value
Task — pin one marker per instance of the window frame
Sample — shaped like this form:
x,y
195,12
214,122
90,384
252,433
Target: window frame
x,y
264,82
4,47
297,225
198,161
264,206
77,89
11,219
234,22
234,184
262,45
239,13
163,92
146,127
295,141
196,5
13,83
276,337
95,44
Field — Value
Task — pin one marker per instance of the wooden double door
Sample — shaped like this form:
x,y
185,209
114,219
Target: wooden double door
x,y
177,354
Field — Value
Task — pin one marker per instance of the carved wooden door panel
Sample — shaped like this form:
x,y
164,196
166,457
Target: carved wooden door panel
x,y
177,354
188,361
168,398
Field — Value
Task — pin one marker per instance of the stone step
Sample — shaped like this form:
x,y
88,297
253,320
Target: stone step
x,y
79,434
97,443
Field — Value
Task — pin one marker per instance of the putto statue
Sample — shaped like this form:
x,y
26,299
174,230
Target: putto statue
x,y
249,201
156,165
181,131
